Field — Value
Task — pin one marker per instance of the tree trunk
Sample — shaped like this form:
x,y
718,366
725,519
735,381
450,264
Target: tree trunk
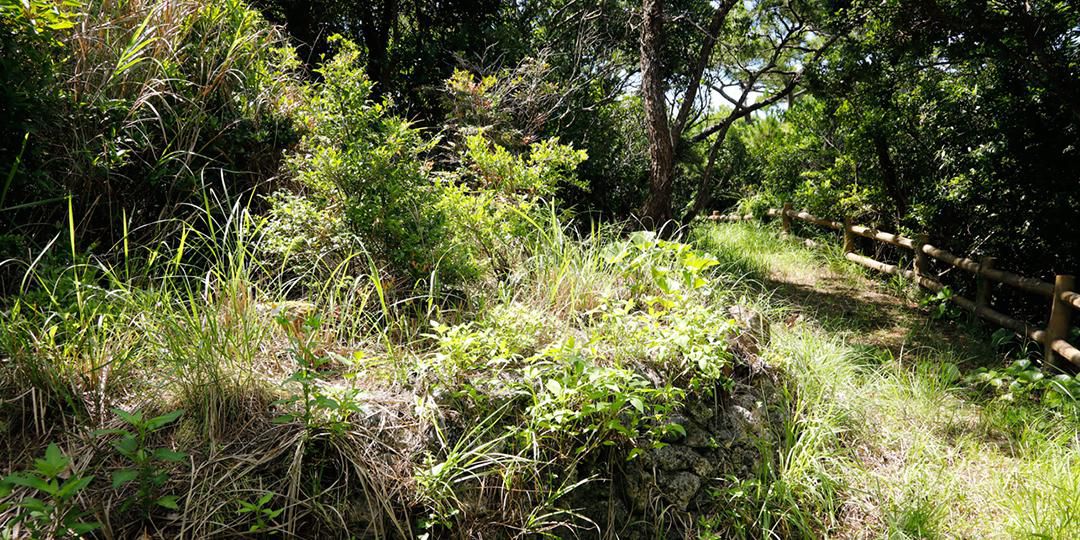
x,y
657,210
703,197
376,26
889,177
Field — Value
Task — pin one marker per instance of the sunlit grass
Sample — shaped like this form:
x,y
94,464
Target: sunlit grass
x,y
914,451
864,440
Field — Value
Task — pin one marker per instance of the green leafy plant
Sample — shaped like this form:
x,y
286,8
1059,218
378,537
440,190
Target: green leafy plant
x,y
1022,380
54,512
320,408
546,165
940,304
576,402
40,16
260,511
362,161
661,268
148,467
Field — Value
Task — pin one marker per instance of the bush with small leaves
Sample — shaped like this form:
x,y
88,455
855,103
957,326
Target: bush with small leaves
x,y
361,163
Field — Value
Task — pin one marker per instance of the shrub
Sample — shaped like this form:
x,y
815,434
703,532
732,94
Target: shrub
x,y
54,512
512,105
492,200
146,467
362,163
307,237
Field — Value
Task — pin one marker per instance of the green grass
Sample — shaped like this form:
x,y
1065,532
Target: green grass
x,y
489,414
911,449
356,405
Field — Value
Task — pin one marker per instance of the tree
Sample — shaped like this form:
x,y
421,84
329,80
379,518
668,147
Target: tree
x,y
762,53
409,46
661,146
958,118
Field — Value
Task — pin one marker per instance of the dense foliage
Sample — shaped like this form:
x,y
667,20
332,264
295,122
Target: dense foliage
x,y
966,129
292,268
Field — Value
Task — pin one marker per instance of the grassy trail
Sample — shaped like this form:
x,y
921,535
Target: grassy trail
x,y
890,438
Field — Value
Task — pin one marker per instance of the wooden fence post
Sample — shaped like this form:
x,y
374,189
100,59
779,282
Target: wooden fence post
x,y
785,219
849,236
1060,316
922,263
983,285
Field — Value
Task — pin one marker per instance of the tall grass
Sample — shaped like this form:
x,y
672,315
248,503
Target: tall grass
x,y
161,97
561,272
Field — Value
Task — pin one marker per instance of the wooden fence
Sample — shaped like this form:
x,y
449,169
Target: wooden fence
x,y
1062,294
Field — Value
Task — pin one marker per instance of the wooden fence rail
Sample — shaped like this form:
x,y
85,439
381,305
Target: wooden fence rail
x,y
1062,293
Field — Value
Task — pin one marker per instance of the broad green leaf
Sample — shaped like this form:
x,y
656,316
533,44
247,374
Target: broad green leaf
x,y
164,454
73,485
30,481
84,527
169,501
134,419
123,476
554,387
163,420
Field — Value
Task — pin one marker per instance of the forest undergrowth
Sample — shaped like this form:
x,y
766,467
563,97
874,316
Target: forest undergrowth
x,y
164,401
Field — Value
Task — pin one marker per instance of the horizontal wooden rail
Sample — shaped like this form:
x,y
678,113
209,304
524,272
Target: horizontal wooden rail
x,y
1072,299
878,265
888,238
1059,346
810,218
1001,319
887,268
1033,286
1062,295
894,270
1066,350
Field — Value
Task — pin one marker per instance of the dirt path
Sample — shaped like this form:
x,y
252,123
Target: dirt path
x,y
867,311
892,441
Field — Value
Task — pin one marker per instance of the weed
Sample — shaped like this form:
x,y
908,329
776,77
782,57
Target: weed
x,y
321,408
1022,380
148,467
260,511
940,304
54,512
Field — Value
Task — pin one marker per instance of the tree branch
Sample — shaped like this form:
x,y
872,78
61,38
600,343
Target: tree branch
x,y
715,25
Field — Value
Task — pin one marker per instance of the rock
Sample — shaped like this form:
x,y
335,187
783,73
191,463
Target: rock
x,y
639,485
680,488
673,458
747,420
753,322
722,441
755,334
701,411
700,437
